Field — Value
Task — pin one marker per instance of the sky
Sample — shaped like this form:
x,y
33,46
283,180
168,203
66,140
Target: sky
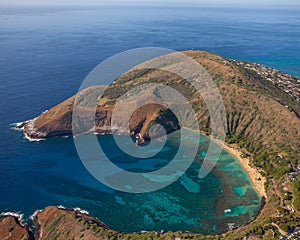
x,y
146,2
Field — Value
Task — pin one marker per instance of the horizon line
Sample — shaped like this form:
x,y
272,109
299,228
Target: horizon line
x,y
149,4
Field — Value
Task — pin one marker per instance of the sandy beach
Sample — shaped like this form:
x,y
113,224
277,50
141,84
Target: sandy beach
x,y
257,179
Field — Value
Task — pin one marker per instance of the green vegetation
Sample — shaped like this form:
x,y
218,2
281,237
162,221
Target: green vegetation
x,y
296,193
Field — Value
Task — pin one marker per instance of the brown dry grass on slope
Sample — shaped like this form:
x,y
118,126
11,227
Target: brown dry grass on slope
x,y
255,108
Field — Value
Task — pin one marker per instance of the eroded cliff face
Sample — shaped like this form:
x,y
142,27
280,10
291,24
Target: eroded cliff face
x,y
11,228
57,223
54,223
61,223
57,122
257,110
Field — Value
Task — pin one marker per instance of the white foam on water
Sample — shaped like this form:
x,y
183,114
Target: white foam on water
x,y
32,217
33,139
19,216
77,209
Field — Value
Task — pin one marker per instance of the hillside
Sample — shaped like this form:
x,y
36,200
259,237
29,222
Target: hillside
x,y
57,121
60,224
256,108
12,228
262,120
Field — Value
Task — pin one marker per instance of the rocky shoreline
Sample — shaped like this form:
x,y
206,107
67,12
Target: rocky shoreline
x,y
57,122
58,222
13,226
47,125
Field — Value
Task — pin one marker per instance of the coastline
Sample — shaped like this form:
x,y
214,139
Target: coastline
x,y
256,178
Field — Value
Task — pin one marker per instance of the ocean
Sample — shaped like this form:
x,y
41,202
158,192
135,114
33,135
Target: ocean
x,y
46,52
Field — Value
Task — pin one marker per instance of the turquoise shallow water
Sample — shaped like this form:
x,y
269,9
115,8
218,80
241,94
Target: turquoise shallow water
x,y
193,204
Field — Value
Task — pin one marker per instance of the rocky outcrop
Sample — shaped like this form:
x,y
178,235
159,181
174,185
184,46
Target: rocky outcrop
x,y
54,223
12,228
49,125
258,111
61,223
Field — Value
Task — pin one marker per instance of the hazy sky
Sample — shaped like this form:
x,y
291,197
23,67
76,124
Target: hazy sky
x,y
146,2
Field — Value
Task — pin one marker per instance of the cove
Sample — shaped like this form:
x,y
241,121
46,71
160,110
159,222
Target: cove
x,y
51,173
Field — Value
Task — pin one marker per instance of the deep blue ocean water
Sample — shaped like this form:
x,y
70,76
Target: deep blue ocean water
x,y
45,55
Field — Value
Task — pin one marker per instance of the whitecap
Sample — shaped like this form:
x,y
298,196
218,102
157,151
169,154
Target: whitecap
x,y
77,209
17,126
32,217
32,139
19,216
